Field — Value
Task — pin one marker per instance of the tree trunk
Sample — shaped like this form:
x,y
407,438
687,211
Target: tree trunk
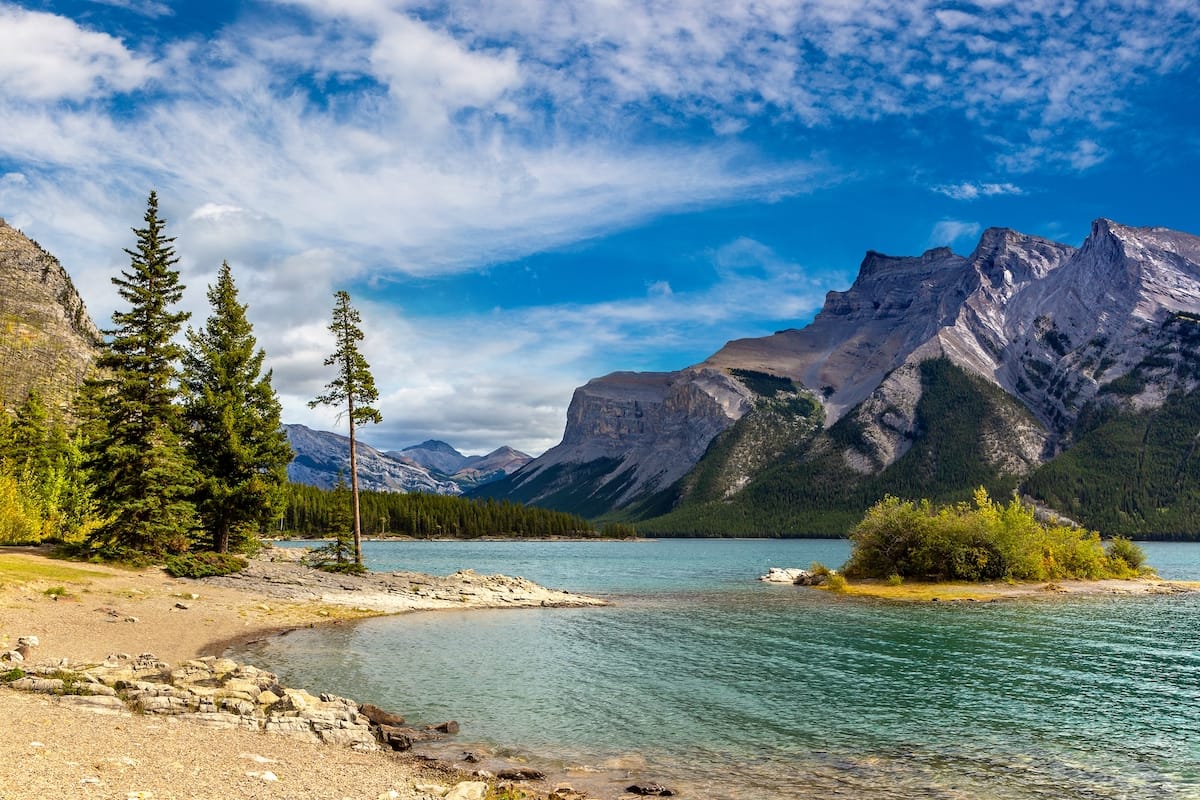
x,y
354,490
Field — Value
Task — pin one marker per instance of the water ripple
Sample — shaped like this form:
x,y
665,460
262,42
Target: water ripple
x,y
730,689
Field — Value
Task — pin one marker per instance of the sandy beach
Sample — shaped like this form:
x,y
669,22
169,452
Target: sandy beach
x,y
85,613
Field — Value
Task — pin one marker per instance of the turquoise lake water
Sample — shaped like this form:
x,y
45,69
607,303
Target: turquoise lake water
x,y
719,686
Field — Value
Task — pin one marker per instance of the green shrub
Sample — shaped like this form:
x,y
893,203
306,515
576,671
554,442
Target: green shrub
x,y
202,565
979,541
894,580
836,582
14,674
1123,551
343,567
817,568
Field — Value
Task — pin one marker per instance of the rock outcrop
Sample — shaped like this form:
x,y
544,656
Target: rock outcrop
x,y
628,435
47,340
220,693
1050,327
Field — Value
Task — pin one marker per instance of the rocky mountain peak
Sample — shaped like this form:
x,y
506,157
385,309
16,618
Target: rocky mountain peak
x,y
47,340
1048,324
434,446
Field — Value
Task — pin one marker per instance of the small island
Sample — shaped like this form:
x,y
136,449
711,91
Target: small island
x,y
980,550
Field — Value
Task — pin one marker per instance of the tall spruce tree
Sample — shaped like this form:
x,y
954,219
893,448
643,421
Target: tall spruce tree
x,y
140,473
354,388
233,433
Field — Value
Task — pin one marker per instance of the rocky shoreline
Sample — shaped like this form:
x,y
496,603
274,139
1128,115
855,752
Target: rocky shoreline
x,y
280,573
71,611
222,694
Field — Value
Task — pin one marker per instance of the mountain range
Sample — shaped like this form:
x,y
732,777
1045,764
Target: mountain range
x,y
1069,375
432,466
1026,365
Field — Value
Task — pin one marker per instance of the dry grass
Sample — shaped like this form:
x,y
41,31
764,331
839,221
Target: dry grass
x,y
926,592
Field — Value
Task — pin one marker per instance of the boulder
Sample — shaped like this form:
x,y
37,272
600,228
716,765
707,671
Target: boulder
x,y
520,774
379,716
650,790
101,704
782,575
468,790
809,578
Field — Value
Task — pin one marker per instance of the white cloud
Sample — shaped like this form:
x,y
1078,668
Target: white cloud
x,y
514,370
948,231
1087,154
147,8
49,57
469,133
968,190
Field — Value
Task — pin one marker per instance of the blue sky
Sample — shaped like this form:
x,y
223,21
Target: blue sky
x,y
523,195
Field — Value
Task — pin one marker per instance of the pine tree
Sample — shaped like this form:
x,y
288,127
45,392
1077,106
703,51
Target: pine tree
x,y
233,433
140,473
354,387
30,447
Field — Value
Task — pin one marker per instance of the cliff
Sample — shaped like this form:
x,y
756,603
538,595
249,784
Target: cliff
x,y
47,340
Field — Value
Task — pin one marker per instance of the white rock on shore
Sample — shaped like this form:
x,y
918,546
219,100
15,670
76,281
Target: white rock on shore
x,y
794,575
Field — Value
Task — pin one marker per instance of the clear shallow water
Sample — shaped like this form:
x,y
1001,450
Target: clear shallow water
x,y
709,681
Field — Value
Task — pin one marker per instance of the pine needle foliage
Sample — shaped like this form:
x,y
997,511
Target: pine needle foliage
x,y
141,475
233,432
353,387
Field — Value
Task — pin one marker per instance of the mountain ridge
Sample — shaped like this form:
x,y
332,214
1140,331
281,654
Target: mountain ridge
x,y
1051,327
322,455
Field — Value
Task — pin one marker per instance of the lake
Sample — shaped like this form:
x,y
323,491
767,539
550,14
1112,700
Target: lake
x,y
719,686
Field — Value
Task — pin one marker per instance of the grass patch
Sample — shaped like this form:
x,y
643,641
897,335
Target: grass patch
x,y
916,592
21,569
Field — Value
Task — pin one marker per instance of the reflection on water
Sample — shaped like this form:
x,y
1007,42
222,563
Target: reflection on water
x,y
731,688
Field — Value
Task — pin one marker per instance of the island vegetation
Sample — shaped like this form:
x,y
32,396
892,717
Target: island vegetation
x,y
981,540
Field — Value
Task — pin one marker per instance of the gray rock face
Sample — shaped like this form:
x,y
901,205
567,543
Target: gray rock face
x,y
655,426
1047,323
47,340
320,455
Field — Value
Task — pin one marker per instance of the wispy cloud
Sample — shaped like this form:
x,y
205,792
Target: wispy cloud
x,y
947,232
344,140
514,370
968,190
146,8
